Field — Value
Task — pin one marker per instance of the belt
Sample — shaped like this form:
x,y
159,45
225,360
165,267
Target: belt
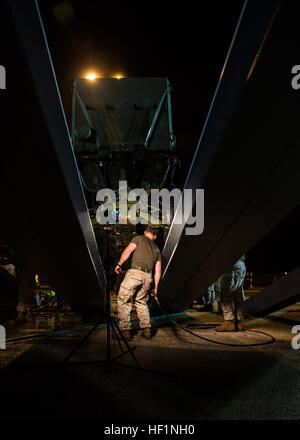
x,y
141,268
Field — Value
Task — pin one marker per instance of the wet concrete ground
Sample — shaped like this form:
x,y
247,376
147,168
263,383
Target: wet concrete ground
x,y
189,378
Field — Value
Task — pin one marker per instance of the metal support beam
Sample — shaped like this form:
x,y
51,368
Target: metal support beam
x,y
250,31
283,293
245,159
172,137
154,120
44,212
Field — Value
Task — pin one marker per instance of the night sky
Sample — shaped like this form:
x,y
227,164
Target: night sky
x,y
184,41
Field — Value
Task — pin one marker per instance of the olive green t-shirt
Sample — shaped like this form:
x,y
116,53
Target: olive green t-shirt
x,y
146,253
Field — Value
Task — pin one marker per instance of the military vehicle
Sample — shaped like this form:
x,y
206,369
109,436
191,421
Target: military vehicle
x,y
122,130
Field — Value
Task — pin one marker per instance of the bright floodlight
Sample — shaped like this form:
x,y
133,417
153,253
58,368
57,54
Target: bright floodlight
x,y
91,76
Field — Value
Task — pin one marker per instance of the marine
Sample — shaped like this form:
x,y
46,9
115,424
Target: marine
x,y
137,284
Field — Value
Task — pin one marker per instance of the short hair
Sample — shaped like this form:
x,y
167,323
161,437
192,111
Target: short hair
x,y
151,229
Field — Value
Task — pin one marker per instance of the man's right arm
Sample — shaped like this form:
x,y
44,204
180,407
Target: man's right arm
x,y
125,255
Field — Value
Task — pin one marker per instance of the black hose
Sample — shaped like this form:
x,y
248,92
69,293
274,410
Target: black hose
x,y
202,326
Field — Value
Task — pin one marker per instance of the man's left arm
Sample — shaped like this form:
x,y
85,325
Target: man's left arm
x,y
157,275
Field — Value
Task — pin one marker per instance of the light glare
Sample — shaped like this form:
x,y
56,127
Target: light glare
x,y
91,76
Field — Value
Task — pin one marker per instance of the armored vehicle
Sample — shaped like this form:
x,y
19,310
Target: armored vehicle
x,y
122,130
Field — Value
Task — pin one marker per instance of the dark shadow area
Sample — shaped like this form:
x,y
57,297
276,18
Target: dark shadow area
x,y
278,251
200,386
8,297
287,321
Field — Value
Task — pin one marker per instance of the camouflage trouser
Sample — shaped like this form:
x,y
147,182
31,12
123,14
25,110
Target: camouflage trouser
x,y
231,295
134,281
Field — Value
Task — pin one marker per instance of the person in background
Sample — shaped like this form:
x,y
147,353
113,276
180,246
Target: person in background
x,y
209,298
232,297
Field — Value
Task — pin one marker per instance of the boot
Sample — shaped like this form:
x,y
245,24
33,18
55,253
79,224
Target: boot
x,y
228,326
146,333
239,326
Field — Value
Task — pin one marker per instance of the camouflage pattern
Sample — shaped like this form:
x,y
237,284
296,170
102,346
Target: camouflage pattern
x,y
136,285
232,295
